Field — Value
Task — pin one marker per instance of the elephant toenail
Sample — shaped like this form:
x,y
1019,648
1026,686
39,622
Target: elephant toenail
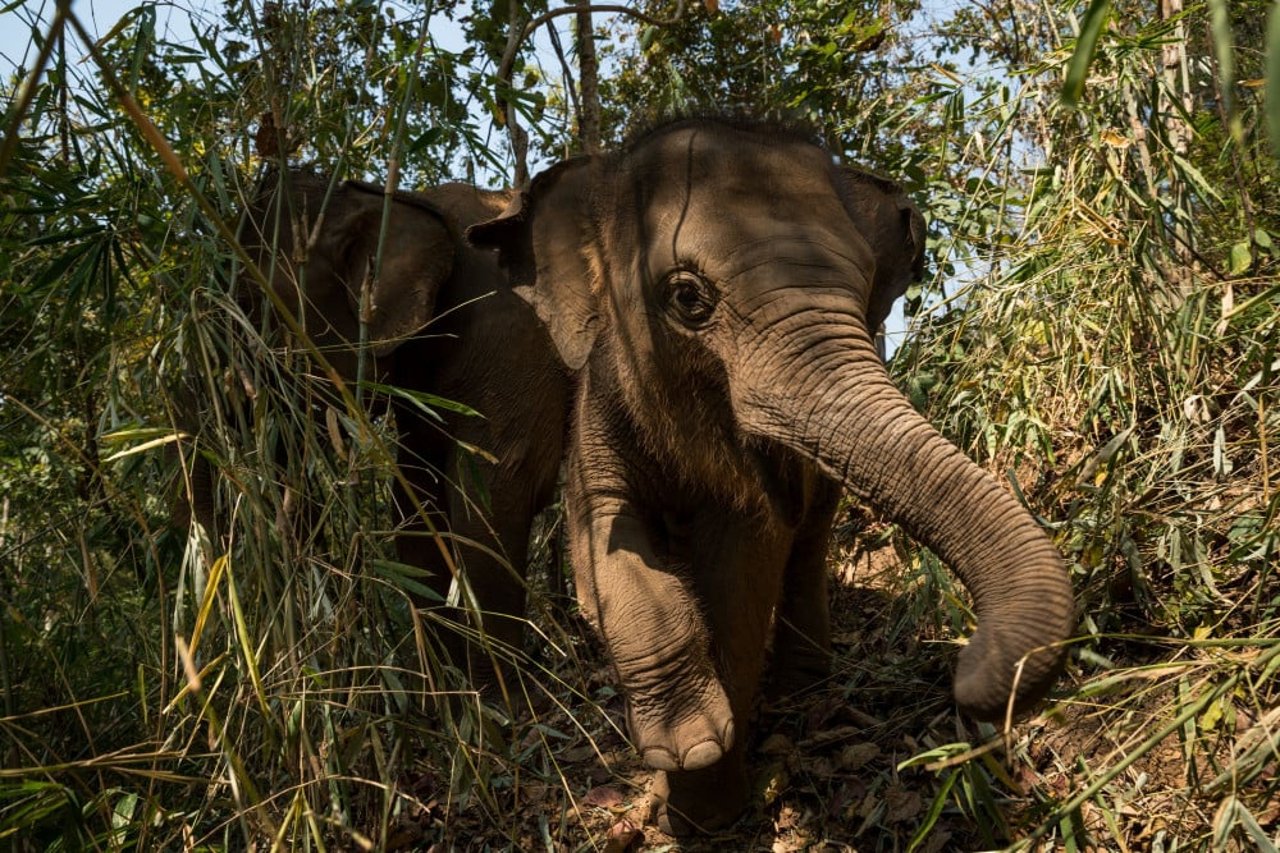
x,y
726,736
701,755
660,758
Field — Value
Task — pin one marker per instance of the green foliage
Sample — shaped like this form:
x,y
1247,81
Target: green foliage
x,y
839,68
1110,352
161,689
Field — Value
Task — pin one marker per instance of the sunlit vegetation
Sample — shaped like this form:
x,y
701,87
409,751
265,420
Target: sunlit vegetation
x,y
1100,327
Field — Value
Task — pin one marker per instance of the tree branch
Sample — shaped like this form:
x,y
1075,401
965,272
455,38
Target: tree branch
x,y
509,58
517,36
569,84
519,139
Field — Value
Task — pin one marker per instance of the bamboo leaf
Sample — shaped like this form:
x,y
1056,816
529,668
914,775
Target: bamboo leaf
x,y
1193,174
1220,27
247,647
423,401
1254,830
145,446
403,576
1241,258
1273,79
935,810
1091,27
207,599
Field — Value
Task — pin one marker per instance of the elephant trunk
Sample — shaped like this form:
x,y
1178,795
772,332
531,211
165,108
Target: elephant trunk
x,y
843,413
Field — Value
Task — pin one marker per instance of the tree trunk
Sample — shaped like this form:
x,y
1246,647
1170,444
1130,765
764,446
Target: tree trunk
x,y
519,139
1174,104
588,80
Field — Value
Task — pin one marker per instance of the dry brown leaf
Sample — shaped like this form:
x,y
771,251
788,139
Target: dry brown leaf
x,y
335,434
863,809
828,736
788,818
936,842
902,805
856,755
775,781
1115,139
603,796
265,140
578,753
819,767
623,835
1027,777
534,793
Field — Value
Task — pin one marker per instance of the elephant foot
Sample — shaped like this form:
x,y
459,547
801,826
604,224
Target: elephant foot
x,y
688,802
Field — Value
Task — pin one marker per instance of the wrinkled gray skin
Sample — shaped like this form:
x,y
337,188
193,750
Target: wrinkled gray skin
x,y
718,287
442,320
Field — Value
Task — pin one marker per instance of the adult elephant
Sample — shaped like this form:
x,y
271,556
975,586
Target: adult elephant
x,y
437,318
718,286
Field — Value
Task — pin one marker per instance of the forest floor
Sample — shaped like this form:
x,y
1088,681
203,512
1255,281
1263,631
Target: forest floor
x,y
877,760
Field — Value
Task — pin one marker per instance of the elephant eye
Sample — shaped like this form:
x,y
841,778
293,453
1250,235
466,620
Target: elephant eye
x,y
689,298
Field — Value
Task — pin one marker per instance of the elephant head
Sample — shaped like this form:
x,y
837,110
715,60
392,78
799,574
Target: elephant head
x,y
721,283
318,243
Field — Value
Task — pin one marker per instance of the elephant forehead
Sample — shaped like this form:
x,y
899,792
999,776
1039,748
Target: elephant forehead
x,y
707,147
721,167
751,243
729,198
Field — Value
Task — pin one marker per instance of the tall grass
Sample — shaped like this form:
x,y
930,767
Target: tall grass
x,y
270,683
1113,356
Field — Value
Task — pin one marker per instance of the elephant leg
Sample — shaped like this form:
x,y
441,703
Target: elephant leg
x,y
491,512
416,540
802,633
420,512
689,801
490,552
739,580
434,532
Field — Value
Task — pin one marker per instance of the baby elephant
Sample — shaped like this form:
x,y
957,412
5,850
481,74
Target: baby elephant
x,y
717,287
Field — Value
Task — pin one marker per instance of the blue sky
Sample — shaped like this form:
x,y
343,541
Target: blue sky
x,y
98,17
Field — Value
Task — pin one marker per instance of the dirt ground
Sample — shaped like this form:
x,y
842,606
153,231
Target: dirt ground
x,y
875,760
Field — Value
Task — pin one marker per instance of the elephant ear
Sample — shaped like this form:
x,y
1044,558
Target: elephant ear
x,y
546,243
895,230
326,240
417,258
